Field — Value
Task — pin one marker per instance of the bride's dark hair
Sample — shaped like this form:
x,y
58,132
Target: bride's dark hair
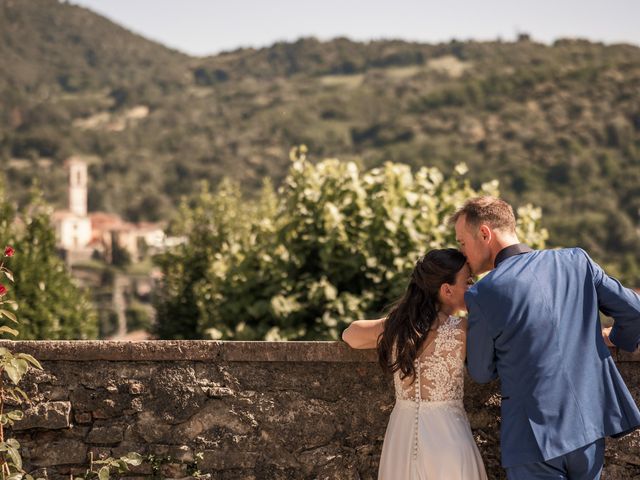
x,y
410,319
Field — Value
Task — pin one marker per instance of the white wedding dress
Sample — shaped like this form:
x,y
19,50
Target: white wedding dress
x,y
428,436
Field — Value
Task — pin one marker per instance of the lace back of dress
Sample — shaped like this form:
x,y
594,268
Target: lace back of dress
x,y
439,367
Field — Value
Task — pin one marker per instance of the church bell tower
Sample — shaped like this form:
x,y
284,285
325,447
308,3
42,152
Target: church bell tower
x,y
78,187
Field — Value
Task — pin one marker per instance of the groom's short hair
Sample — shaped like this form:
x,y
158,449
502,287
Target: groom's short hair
x,y
487,210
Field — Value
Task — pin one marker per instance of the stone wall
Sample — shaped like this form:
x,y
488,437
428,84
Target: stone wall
x,y
236,410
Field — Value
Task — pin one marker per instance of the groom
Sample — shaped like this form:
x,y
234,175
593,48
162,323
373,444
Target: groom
x,y
533,322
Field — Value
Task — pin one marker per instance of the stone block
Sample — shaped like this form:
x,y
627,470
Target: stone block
x,y
62,452
152,429
136,405
174,470
106,434
183,453
55,393
215,413
100,453
136,388
83,417
227,460
124,448
481,418
49,415
107,409
217,391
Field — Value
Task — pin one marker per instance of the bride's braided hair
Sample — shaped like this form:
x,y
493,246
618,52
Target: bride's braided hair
x,y
410,319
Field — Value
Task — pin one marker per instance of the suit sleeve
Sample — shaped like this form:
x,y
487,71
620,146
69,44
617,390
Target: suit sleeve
x,y
620,303
481,360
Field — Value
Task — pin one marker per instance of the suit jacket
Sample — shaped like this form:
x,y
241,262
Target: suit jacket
x,y
533,322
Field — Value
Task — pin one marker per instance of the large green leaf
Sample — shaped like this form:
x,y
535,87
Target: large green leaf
x,y
10,315
103,473
30,359
10,331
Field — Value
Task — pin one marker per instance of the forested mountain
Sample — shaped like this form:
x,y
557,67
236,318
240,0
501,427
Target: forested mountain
x,y
558,124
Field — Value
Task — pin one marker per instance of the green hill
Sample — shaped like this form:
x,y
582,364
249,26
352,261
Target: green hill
x,y
559,125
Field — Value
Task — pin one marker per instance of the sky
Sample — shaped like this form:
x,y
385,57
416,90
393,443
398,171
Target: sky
x,y
206,27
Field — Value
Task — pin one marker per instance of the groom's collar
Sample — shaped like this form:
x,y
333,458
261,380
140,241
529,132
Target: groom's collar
x,y
510,251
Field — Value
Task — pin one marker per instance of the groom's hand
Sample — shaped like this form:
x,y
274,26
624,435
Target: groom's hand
x,y
605,336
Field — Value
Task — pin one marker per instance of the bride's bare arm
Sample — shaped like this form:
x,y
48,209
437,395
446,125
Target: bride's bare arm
x,y
605,336
363,333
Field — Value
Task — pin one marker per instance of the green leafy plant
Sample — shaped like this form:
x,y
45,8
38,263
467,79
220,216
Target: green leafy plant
x,y
52,305
156,462
13,366
335,244
103,469
193,468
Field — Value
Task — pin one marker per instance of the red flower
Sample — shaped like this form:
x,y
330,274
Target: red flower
x,y
3,290
9,251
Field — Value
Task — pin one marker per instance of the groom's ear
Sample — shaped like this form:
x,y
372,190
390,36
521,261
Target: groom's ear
x,y
485,233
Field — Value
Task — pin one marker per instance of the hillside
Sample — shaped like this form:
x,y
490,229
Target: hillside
x,y
558,125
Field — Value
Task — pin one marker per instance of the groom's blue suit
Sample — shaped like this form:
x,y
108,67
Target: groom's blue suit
x,y
533,322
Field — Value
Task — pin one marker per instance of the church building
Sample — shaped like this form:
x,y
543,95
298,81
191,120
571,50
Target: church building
x,y
73,226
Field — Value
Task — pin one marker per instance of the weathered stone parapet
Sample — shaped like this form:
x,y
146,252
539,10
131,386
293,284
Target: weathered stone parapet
x,y
622,356
208,350
190,350
236,410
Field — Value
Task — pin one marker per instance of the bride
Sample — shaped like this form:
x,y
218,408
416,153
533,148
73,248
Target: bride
x,y
422,343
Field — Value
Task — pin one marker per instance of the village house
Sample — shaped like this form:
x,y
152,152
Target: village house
x,y
82,235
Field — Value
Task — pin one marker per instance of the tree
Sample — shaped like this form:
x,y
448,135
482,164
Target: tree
x,y
52,307
336,244
219,231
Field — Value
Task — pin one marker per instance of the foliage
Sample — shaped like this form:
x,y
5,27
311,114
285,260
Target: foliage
x,y
334,245
102,469
220,229
52,306
557,124
138,317
156,463
13,366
